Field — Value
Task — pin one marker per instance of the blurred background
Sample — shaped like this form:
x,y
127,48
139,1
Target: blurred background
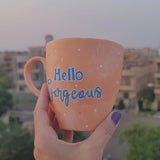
x,y
26,27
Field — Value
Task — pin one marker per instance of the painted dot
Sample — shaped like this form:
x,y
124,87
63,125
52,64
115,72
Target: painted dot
x,y
61,59
78,49
75,85
86,125
117,82
95,110
55,50
100,65
64,114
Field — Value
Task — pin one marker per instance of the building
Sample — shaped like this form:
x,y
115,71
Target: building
x,y
13,63
38,75
21,58
157,82
138,73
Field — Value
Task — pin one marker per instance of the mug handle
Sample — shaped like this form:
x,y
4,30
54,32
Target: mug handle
x,y
27,73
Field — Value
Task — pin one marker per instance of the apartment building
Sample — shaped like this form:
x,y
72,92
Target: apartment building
x,y
156,104
13,63
8,63
138,73
38,75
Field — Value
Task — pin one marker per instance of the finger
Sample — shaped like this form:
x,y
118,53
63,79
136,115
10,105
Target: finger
x,y
35,154
53,120
105,130
41,119
56,125
67,136
51,116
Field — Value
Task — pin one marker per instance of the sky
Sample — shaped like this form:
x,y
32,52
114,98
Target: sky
x,y
132,23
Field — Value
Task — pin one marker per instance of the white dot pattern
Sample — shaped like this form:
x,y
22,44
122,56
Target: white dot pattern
x,y
86,125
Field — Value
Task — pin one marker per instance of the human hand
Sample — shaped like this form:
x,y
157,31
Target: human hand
x,y
49,147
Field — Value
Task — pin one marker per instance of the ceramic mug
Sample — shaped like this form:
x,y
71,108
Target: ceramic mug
x,y
83,77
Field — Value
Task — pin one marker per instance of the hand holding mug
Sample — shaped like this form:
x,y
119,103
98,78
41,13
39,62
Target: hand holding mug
x,y
49,147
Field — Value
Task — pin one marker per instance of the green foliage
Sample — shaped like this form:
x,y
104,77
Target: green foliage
x,y
135,131
143,141
5,80
147,93
121,105
14,120
140,104
159,105
78,136
6,101
145,98
16,143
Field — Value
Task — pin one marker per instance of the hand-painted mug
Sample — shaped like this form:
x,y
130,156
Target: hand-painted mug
x,y
83,77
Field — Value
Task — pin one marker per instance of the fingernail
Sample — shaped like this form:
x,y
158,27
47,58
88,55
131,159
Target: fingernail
x,y
116,116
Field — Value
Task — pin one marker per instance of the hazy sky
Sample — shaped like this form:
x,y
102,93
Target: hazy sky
x,y
133,23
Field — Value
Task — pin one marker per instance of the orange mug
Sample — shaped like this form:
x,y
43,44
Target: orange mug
x,y
83,77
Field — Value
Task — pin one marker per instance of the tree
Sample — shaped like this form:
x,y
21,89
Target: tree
x,y
121,105
16,143
145,98
5,80
6,101
143,141
158,105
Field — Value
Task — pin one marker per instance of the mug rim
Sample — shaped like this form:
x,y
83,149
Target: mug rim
x,y
78,38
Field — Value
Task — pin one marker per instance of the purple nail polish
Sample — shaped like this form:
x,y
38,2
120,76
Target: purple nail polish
x,y
116,116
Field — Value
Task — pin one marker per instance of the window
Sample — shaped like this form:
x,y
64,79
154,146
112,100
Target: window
x,y
36,66
125,95
21,65
35,76
39,87
158,81
126,81
21,77
22,87
158,65
8,59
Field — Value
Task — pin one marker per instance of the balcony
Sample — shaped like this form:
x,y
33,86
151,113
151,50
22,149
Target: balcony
x,y
157,59
157,90
8,67
21,82
157,75
20,70
127,73
22,58
126,88
8,59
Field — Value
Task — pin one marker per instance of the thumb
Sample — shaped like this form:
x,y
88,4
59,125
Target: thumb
x,y
105,130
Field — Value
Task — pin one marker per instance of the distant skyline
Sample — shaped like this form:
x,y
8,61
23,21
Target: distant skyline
x,y
130,23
